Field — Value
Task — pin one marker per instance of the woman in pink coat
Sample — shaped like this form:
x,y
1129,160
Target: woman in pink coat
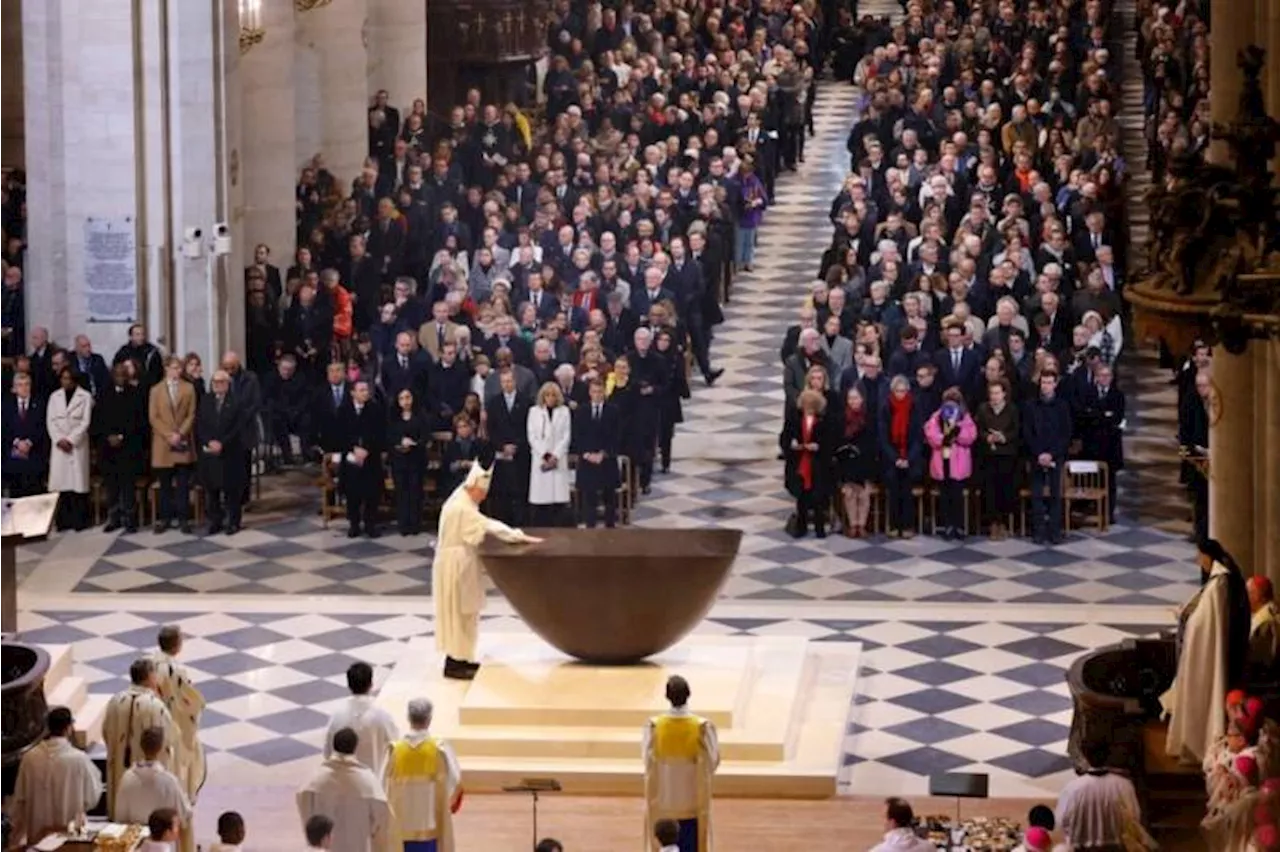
x,y
950,432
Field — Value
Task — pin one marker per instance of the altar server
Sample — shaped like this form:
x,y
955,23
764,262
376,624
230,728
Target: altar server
x,y
57,783
681,754
185,703
129,714
148,786
347,791
424,787
457,581
374,727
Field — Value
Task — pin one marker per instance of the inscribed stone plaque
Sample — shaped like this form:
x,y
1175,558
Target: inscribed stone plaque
x,y
111,269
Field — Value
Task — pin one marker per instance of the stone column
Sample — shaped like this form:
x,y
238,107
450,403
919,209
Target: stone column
x,y
1231,437
331,42
82,155
13,147
1268,481
398,50
269,135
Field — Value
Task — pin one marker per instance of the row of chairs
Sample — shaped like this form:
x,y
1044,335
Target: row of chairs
x,y
1083,482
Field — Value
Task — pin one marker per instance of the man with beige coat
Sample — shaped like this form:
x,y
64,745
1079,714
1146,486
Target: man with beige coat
x,y
172,412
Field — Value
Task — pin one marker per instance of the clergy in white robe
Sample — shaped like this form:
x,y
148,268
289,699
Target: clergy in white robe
x,y
1100,809
148,786
128,714
231,832
185,703
374,726
681,754
424,787
457,576
162,831
347,791
57,783
1213,643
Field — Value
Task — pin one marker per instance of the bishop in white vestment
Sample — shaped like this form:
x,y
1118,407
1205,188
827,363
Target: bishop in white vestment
x,y
347,791
185,703
457,576
129,714
148,786
57,783
1213,642
681,754
374,727
424,787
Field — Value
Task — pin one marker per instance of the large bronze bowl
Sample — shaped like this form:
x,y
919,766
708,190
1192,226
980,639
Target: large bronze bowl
x,y
613,596
22,702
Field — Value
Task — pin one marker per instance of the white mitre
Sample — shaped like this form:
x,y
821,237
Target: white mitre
x,y
478,477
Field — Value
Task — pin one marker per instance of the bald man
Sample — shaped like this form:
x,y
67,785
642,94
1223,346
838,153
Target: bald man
x,y
1264,628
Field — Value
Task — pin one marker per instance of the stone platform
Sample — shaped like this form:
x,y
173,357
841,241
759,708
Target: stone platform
x,y
780,704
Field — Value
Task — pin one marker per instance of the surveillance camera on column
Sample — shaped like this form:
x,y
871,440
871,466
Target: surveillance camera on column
x,y
192,246
221,238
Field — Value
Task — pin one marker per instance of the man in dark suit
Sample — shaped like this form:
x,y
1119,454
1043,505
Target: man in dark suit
x,y
544,304
505,337
120,427
361,435
507,416
645,297
270,273
26,438
43,381
522,193
449,384
595,442
308,332
92,367
327,401
684,279
1099,413
382,102
220,430
958,366
288,407
407,369
363,279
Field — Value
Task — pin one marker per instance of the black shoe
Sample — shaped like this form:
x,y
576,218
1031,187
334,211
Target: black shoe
x,y
214,529
131,529
372,532
957,534
232,529
1057,538
353,531
713,376
799,532
185,528
666,467
1039,539
111,526
820,532
161,526
644,489
459,669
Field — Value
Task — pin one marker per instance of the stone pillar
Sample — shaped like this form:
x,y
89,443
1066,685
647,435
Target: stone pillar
x,y
1268,481
82,154
1231,436
269,135
398,50
331,44
12,148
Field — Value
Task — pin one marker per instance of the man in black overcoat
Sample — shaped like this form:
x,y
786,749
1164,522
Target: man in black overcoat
x,y
121,429
595,442
361,438
220,439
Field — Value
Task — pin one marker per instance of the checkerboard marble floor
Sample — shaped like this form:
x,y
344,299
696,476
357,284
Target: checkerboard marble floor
x,y
953,678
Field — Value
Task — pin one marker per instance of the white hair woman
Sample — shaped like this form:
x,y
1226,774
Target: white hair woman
x,y
549,431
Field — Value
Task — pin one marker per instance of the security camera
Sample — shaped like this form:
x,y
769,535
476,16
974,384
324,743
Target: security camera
x,y
192,247
221,238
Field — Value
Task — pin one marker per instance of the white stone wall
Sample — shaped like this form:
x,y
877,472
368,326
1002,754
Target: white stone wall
x,y
398,50
269,136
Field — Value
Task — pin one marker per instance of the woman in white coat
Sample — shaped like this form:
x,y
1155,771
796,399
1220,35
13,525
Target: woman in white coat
x,y
70,413
549,427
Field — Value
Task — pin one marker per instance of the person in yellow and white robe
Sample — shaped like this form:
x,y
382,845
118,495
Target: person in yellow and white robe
x,y
176,687
57,783
147,787
1213,648
681,754
128,714
457,576
1264,629
424,786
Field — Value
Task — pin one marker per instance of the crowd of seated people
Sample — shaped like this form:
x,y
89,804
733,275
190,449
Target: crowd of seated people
x,y
494,287
963,335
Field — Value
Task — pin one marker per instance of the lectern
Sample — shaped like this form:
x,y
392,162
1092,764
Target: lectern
x,y
22,521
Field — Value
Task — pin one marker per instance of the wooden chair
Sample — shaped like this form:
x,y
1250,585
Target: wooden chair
x,y
331,504
1086,482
